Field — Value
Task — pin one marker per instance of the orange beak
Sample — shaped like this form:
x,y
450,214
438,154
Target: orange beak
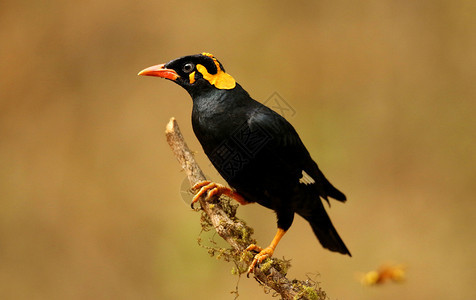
x,y
160,71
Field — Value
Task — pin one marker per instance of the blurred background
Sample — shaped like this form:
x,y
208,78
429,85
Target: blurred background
x,y
90,194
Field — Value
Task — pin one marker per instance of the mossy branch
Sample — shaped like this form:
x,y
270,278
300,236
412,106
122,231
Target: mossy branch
x,y
221,215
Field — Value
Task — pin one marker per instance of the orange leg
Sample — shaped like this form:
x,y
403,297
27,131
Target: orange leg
x,y
266,252
212,189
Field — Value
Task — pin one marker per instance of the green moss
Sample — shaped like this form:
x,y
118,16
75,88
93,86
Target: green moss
x,y
308,289
308,293
246,256
266,265
242,234
205,222
228,206
245,234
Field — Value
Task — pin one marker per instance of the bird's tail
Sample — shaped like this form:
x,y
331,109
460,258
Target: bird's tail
x,y
326,233
326,188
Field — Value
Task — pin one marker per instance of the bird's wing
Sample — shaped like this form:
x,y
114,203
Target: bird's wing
x,y
286,145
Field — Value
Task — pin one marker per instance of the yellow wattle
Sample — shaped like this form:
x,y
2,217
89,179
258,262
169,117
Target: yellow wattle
x,y
220,80
208,54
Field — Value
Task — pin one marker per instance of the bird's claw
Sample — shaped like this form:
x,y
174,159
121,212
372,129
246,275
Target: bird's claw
x,y
254,247
211,188
262,255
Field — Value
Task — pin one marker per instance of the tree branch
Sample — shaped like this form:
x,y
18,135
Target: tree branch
x,y
221,215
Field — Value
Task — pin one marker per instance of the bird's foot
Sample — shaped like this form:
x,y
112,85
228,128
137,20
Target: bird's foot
x,y
215,189
211,188
262,255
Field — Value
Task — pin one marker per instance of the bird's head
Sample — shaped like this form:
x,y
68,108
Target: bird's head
x,y
195,73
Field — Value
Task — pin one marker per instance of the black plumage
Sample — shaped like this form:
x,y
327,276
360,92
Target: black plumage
x,y
255,149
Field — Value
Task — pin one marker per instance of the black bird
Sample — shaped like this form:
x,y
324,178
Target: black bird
x,y
255,150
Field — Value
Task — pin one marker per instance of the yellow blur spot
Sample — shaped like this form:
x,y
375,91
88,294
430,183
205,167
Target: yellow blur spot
x,y
370,278
192,77
383,274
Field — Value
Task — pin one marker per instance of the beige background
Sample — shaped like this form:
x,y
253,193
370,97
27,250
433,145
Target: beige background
x,y
90,204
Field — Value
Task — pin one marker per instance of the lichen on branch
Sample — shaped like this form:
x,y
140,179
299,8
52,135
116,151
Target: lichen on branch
x,y
220,214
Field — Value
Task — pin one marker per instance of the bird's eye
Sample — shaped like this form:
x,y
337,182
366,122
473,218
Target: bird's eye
x,y
187,68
